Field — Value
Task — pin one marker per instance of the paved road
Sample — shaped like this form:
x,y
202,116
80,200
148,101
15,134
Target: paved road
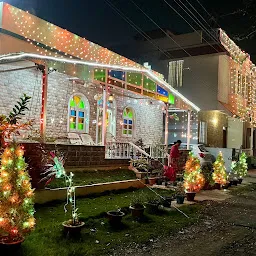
x,y
225,228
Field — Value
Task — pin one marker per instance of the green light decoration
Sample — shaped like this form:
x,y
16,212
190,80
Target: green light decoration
x,y
171,99
240,168
57,170
219,174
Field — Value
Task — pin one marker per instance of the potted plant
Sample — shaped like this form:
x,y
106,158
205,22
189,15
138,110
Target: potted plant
x,y
180,193
140,167
193,178
152,204
167,201
219,174
115,217
137,207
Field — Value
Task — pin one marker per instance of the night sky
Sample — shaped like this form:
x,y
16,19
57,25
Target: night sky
x,y
97,22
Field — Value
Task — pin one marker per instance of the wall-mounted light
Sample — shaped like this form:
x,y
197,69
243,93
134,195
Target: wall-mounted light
x,y
111,98
215,121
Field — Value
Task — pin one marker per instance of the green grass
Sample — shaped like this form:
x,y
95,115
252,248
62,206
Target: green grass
x,y
48,239
93,177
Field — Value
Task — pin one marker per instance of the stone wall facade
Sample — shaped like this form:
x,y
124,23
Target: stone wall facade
x,y
216,123
148,114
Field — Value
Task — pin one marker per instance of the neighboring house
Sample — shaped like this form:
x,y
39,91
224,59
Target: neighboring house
x,y
216,74
78,87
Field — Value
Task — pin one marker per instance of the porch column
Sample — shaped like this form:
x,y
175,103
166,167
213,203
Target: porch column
x,y
166,126
44,103
104,115
188,129
251,140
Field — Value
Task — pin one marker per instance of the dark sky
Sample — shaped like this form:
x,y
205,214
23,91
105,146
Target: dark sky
x,y
96,21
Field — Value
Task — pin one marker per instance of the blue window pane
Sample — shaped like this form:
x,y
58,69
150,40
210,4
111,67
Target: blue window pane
x,y
117,74
81,114
72,112
162,91
130,121
125,121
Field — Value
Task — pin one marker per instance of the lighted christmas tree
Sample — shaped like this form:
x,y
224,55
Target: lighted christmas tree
x,y
193,177
16,196
240,168
219,175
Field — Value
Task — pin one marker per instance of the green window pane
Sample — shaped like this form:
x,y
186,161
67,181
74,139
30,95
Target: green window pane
x,y
130,114
149,84
171,99
81,104
124,131
130,132
100,74
134,78
80,127
72,125
72,103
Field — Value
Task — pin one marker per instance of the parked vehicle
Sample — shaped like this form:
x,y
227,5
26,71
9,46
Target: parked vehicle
x,y
201,152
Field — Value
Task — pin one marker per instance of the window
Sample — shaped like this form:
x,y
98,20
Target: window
x,y
78,114
128,122
203,133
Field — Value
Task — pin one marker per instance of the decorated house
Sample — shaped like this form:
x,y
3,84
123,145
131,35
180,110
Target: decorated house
x,y
82,93
210,69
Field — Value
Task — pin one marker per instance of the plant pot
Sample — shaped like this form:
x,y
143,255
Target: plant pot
x,y
159,181
152,208
240,181
115,217
10,246
137,212
141,175
167,202
147,181
217,186
235,182
180,199
72,229
152,181
191,196
226,186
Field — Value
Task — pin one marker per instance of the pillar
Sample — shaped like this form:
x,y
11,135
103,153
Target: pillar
x,y
44,103
189,129
104,115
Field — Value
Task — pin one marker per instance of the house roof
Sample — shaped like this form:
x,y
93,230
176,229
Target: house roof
x,y
24,35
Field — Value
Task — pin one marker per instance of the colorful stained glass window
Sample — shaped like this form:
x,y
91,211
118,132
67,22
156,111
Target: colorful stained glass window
x,y
128,121
78,113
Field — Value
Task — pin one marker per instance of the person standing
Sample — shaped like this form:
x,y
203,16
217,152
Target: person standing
x,y
175,155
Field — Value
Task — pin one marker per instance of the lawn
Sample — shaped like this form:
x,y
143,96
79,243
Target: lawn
x,y
98,238
94,176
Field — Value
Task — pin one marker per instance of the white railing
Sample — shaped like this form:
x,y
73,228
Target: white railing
x,y
128,150
123,150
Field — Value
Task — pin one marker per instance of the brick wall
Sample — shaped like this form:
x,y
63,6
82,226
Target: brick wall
x,y
75,157
149,117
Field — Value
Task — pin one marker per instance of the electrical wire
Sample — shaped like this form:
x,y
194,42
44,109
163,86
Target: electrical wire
x,y
140,31
160,28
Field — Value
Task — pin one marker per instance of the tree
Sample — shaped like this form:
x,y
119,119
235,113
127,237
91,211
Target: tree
x,y
219,170
240,167
193,177
16,196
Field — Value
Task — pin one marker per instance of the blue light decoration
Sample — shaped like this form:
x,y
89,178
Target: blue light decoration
x,y
162,91
117,74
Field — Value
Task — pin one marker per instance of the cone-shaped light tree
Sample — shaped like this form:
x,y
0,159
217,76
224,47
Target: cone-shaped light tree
x,y
219,174
193,177
16,196
240,167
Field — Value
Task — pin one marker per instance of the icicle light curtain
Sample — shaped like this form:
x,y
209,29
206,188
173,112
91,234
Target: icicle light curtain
x,y
176,73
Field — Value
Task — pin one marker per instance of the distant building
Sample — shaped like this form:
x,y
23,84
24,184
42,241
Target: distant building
x,y
217,75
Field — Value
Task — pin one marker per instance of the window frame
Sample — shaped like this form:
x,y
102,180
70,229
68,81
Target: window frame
x,y
202,139
85,110
128,119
